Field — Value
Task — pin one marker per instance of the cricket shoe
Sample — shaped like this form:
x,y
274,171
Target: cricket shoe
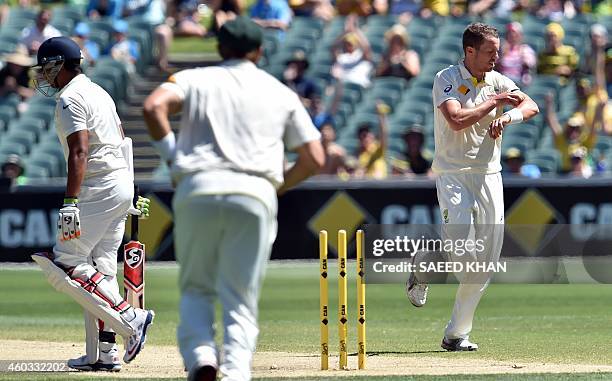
x,y
203,373
416,292
135,343
107,362
457,345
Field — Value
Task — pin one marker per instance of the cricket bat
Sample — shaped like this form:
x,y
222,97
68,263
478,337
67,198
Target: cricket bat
x,y
133,265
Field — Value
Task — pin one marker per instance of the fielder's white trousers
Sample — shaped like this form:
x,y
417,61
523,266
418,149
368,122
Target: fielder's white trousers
x,y
223,243
472,207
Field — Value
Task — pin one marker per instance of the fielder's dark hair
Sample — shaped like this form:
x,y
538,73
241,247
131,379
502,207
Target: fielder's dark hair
x,y
476,33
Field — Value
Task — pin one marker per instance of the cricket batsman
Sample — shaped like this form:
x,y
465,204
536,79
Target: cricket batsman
x,y
468,123
99,195
227,164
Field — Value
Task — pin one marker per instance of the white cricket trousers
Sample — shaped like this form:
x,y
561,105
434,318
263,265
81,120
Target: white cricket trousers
x,y
472,208
222,243
103,205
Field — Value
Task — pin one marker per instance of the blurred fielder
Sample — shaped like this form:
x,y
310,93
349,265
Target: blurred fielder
x,y
98,196
468,121
227,165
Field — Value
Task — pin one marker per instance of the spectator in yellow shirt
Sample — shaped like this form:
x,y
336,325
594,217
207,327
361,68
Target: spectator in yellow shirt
x,y
557,59
371,152
568,139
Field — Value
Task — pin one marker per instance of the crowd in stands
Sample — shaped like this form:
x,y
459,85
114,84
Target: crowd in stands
x,y
558,52
364,68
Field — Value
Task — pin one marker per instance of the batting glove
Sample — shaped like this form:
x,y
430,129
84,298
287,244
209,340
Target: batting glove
x,y
141,209
68,221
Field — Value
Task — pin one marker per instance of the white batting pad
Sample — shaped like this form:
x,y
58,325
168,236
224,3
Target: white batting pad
x,y
89,301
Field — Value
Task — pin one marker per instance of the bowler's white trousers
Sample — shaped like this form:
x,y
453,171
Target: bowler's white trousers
x,y
223,243
472,207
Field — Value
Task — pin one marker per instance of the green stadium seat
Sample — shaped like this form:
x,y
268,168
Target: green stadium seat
x,y
10,37
39,100
533,21
391,83
52,147
524,130
33,170
109,61
399,123
604,144
30,125
24,137
546,140
143,38
68,12
548,161
46,114
8,148
381,20
22,13
48,161
7,113
65,26
100,37
107,84
520,142
116,76
16,25
10,100
307,23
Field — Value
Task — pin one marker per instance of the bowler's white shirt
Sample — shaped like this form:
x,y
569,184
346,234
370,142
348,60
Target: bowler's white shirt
x,y
236,119
470,150
83,105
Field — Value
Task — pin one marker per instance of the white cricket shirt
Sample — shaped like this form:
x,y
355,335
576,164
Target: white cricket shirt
x,y
83,105
470,150
237,121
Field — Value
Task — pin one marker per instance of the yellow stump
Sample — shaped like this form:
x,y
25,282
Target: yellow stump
x,y
361,303
342,299
323,297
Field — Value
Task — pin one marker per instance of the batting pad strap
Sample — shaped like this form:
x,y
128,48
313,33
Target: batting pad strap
x,y
96,303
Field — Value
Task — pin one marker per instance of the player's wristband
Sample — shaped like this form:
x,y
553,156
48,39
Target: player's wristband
x,y
516,116
166,146
71,200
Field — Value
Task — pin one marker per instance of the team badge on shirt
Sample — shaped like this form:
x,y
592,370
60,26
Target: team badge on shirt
x,y
463,89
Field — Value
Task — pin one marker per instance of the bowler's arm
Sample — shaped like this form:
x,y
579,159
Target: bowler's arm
x,y
528,107
157,108
311,158
460,118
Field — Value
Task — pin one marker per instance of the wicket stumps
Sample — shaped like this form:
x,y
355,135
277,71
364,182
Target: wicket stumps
x,y
342,300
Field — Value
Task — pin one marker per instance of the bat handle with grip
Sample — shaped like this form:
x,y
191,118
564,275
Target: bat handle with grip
x,y
134,235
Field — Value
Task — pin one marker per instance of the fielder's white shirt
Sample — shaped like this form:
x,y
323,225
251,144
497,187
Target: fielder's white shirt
x,y
83,105
237,121
470,150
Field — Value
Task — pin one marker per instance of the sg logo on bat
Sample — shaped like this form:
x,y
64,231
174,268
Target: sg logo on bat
x,y
134,256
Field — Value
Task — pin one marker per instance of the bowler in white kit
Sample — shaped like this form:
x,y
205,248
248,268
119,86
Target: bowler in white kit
x,y
468,124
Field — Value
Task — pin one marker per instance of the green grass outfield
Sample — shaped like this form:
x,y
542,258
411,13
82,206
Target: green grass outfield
x,y
530,323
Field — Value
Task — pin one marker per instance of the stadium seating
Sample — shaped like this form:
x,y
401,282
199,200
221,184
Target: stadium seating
x,y
437,40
